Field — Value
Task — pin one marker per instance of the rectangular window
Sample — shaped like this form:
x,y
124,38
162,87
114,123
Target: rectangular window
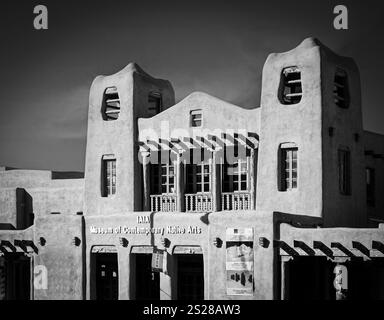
x,y
109,176
344,159
235,176
196,118
198,176
290,87
155,103
163,179
370,176
111,104
288,169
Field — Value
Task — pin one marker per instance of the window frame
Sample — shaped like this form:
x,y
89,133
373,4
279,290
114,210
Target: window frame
x,y
192,120
109,176
192,174
158,98
291,85
371,186
343,100
157,175
111,104
287,167
344,171
229,178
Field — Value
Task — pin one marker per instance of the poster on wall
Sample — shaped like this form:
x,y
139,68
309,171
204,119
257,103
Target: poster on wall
x,y
239,261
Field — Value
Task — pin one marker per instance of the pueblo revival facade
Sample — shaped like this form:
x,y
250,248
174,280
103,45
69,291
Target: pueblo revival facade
x,y
203,199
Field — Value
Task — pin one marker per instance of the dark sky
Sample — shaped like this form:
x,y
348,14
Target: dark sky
x,y
218,47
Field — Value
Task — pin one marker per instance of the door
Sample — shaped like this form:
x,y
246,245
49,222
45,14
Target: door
x,y
190,277
15,277
107,279
147,282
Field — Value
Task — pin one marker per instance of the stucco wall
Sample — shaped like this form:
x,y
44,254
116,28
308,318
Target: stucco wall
x,y
342,210
63,260
375,143
218,116
298,123
119,138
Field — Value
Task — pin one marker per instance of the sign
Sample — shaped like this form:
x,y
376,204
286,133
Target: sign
x,y
157,260
239,261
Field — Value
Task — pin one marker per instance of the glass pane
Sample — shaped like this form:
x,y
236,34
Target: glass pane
x,y
198,188
243,186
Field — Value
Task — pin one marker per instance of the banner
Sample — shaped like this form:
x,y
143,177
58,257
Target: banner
x,y
239,261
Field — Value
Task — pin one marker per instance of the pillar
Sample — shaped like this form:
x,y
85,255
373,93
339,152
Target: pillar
x,y
284,278
216,182
180,182
146,181
252,178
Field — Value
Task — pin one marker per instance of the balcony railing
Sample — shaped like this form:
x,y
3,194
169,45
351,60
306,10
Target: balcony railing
x,y
235,201
198,202
163,203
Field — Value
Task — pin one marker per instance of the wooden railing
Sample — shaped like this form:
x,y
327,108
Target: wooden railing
x,y
235,201
163,203
198,202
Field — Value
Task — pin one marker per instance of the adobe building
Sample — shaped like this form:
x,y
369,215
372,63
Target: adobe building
x,y
203,199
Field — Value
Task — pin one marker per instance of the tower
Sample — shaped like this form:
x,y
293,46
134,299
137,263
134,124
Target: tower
x,y
311,152
113,173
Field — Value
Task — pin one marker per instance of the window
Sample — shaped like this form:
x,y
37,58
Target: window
x,y
196,118
370,175
288,167
344,171
290,86
111,104
154,103
108,175
163,178
198,176
340,90
235,176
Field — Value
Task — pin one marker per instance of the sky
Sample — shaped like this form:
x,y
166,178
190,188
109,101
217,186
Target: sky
x,y
218,47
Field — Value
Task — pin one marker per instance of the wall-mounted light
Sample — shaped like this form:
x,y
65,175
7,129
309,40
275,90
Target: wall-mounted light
x,y
42,241
217,242
165,242
123,242
75,241
263,242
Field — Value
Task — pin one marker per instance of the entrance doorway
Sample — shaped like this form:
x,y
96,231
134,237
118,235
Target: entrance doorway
x,y
107,278
147,282
190,277
15,277
310,278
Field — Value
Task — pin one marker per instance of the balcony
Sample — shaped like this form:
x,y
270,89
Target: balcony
x,y
235,201
163,203
198,202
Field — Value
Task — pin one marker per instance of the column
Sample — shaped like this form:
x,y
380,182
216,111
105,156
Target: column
x,y
146,181
284,278
216,182
180,182
252,178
